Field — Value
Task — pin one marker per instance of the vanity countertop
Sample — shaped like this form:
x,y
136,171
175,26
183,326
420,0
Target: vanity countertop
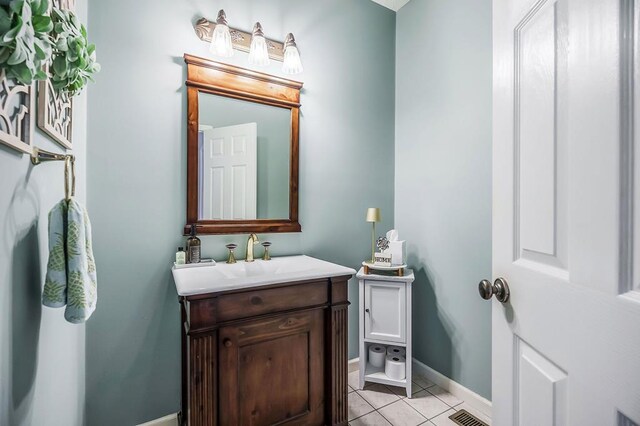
x,y
225,277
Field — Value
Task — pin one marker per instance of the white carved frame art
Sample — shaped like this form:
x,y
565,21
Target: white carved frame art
x,y
55,110
17,106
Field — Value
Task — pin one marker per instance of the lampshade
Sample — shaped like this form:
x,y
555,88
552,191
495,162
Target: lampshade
x,y
292,63
258,52
373,214
221,39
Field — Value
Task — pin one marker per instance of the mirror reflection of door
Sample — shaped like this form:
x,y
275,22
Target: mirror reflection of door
x,y
228,172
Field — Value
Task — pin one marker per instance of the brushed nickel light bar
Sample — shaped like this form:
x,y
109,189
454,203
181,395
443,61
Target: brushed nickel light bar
x,y
286,52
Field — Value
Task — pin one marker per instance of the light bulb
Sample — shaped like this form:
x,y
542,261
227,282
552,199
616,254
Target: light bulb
x,y
221,39
258,52
292,63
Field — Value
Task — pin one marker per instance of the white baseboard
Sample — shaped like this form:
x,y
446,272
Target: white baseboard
x,y
456,389
354,364
170,420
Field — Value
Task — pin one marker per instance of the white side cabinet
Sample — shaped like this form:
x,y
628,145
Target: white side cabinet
x,y
385,319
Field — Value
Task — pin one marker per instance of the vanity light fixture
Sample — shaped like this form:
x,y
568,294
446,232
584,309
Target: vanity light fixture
x,y
292,63
221,38
259,52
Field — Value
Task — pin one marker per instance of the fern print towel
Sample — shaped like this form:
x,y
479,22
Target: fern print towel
x,y
71,271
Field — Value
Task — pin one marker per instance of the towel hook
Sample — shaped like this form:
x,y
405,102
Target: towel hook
x,y
40,156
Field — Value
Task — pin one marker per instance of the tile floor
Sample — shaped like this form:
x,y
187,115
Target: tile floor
x,y
380,405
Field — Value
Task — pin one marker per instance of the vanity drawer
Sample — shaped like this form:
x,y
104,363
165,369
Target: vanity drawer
x,y
265,301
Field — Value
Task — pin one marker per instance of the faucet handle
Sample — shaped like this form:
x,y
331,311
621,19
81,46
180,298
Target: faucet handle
x,y
232,257
266,246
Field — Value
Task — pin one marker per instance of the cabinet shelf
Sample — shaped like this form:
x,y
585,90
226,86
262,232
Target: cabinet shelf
x,y
385,342
377,375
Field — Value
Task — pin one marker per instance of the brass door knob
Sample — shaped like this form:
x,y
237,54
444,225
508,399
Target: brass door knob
x,y
499,287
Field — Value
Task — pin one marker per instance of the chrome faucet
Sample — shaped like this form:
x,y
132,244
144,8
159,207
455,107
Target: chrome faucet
x,y
253,240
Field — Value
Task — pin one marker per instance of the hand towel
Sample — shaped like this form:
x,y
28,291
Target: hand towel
x,y
71,271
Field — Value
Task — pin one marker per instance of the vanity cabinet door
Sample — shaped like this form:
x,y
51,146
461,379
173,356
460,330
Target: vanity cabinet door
x,y
384,315
272,371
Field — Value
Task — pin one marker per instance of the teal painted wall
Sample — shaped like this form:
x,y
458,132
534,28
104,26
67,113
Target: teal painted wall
x,y
443,180
42,357
137,174
274,130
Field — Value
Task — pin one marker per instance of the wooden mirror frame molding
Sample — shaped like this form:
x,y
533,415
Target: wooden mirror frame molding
x,y
220,79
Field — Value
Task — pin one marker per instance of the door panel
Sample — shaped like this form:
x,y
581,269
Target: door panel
x,y
540,162
385,319
263,362
565,212
541,389
272,371
229,161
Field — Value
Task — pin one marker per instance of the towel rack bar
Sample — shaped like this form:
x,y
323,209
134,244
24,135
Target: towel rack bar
x,y
40,156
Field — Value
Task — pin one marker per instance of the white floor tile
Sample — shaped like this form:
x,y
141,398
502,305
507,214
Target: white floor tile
x,y
422,381
354,380
350,389
402,392
443,419
372,419
427,404
378,395
444,396
358,406
401,414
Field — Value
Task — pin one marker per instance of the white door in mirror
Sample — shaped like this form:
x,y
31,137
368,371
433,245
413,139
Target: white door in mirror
x,y
229,172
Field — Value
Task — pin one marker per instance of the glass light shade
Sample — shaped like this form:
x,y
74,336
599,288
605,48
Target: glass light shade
x,y
292,63
221,41
258,52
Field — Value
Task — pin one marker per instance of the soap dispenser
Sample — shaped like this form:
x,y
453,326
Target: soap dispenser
x,y
193,246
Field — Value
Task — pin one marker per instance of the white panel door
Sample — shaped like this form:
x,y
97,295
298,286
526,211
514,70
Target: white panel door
x,y
566,210
230,165
384,309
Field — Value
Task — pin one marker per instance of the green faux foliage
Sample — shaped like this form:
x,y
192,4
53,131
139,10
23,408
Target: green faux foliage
x,y
30,38
25,43
74,59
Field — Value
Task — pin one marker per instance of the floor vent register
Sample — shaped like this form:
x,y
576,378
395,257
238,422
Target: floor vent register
x,y
464,418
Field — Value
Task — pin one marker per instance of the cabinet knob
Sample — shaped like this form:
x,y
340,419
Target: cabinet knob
x,y
367,310
227,343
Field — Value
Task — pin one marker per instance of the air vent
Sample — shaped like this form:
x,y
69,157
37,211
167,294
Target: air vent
x,y
464,418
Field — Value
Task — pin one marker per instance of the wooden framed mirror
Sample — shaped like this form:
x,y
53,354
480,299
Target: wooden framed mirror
x,y
242,149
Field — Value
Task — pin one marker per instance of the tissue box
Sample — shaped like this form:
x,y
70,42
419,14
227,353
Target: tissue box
x,y
382,259
398,252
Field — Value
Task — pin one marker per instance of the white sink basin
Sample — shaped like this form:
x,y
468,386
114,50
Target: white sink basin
x,y
222,276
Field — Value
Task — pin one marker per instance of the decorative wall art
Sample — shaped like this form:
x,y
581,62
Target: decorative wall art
x,y
55,108
17,102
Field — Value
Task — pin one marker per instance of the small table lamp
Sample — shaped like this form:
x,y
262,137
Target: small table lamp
x,y
373,216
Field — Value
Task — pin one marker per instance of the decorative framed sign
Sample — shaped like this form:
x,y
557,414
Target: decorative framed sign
x,y
17,107
55,113
55,109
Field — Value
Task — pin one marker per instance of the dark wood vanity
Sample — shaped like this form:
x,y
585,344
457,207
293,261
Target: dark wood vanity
x,y
266,355
255,354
